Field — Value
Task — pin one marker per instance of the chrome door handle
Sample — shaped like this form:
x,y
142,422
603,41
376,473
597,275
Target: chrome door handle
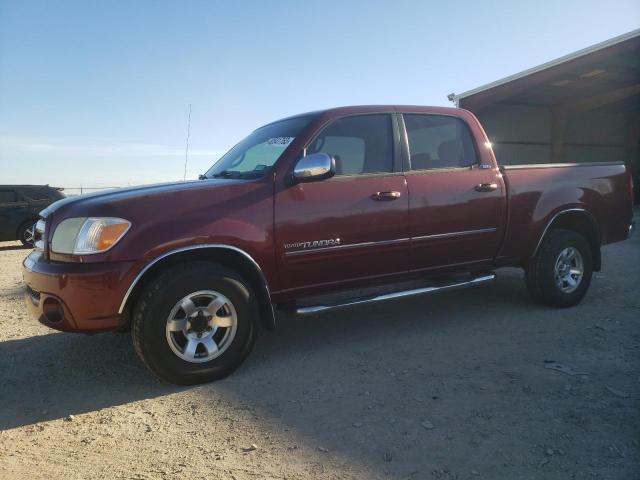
x,y
486,187
385,196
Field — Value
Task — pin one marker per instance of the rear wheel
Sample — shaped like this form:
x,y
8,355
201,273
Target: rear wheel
x,y
560,274
195,323
25,234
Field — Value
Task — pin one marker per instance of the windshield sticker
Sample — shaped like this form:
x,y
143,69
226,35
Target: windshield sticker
x,y
280,141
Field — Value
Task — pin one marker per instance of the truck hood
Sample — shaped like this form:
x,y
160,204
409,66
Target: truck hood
x,y
89,201
172,215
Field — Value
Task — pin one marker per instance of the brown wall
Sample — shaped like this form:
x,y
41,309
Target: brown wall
x,y
523,134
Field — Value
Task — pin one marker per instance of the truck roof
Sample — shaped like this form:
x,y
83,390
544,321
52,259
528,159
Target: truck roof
x,y
353,109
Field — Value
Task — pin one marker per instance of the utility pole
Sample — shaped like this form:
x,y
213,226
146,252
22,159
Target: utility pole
x,y
186,150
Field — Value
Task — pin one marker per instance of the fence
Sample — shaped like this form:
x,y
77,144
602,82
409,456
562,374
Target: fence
x,y
70,191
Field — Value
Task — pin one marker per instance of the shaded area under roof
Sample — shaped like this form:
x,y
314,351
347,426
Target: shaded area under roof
x,y
606,74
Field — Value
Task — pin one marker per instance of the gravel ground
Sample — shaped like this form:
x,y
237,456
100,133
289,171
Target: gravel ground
x,y
456,386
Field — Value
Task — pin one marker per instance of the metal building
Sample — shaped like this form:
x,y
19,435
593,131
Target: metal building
x,y
583,107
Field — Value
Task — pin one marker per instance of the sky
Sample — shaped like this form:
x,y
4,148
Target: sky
x,y
97,93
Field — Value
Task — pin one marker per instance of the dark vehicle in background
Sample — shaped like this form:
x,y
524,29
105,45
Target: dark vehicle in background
x,y
19,208
333,201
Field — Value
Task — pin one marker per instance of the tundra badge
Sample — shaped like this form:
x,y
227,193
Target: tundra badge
x,y
330,242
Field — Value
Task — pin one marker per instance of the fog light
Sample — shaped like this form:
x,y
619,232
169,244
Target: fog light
x,y
52,310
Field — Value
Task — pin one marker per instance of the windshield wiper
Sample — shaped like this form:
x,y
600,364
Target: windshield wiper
x,y
237,174
226,174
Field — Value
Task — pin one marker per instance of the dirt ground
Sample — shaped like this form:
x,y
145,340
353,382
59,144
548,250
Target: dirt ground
x,y
460,385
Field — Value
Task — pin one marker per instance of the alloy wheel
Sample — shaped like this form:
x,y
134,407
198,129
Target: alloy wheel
x,y
201,326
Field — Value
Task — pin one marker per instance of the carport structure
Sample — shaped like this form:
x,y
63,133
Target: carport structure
x,y
583,107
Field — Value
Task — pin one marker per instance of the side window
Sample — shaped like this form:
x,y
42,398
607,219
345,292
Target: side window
x,y
7,196
360,144
35,194
438,141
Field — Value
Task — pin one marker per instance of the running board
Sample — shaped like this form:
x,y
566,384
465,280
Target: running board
x,y
401,294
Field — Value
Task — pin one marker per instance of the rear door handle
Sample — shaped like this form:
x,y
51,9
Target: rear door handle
x,y
385,196
486,187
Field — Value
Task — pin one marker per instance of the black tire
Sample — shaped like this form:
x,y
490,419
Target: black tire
x,y
152,310
540,272
25,234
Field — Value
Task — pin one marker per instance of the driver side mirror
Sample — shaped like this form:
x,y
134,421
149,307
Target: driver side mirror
x,y
317,166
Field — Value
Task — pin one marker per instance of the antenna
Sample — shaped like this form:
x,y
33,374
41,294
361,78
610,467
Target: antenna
x,y
186,150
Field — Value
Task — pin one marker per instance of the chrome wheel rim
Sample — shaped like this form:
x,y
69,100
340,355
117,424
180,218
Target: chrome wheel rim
x,y
28,235
569,270
201,326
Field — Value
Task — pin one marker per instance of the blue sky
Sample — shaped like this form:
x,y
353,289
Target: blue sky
x,y
97,93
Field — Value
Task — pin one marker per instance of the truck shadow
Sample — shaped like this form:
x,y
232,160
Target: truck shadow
x,y
5,248
52,376
11,293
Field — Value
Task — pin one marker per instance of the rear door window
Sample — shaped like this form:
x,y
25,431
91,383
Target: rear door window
x,y
439,141
360,144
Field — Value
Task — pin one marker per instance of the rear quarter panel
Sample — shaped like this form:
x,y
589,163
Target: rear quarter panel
x,y
537,193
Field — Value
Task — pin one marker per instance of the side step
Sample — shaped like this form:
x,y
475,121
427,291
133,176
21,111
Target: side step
x,y
306,310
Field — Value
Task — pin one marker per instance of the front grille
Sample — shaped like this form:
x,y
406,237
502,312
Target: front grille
x,y
34,296
39,235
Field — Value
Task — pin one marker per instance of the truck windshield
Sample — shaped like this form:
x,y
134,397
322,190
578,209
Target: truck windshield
x,y
253,156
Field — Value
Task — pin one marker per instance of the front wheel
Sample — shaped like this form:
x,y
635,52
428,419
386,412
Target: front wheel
x,y
560,273
195,323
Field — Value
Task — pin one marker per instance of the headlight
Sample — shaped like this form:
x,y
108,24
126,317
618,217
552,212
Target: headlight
x,y
85,236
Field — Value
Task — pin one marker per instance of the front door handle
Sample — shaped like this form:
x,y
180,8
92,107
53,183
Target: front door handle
x,y
486,187
385,196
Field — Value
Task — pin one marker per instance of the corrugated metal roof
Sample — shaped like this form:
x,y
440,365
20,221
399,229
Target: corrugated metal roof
x,y
572,56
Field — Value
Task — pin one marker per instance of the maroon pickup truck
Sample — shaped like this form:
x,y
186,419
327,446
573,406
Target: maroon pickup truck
x,y
351,200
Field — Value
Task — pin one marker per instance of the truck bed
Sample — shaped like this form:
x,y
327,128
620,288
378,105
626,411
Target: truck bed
x,y
537,193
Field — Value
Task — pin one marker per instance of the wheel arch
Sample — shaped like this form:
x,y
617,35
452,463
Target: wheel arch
x,y
227,255
581,221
